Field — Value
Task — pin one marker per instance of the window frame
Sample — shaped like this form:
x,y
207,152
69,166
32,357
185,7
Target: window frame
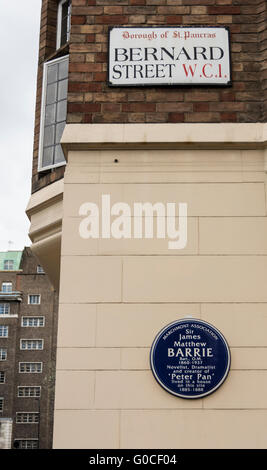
x,y
2,401
27,413
40,269
31,363
59,24
5,304
21,387
9,283
30,342
34,295
3,356
2,376
25,440
5,328
42,168
8,261
29,317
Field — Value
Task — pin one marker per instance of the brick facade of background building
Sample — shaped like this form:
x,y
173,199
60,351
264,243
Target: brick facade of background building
x,y
28,281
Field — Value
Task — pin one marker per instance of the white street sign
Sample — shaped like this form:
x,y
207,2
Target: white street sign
x,y
169,56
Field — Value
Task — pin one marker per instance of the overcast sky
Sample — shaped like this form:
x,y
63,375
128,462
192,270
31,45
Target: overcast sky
x,y
19,42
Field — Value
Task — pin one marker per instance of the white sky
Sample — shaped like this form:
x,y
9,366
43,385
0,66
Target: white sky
x,y
19,43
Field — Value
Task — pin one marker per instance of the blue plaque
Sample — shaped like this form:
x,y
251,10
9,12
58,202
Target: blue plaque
x,y
190,358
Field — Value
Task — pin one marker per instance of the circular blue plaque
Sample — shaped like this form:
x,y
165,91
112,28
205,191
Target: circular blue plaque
x,y
190,358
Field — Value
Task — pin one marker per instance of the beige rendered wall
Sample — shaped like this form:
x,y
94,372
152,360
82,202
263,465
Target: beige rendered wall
x,y
116,295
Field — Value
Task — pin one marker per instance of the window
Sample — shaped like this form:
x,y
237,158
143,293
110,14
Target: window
x,y
53,113
3,354
40,270
63,22
2,377
34,299
26,444
3,331
8,265
27,417
6,287
1,404
30,367
28,392
32,322
4,309
31,344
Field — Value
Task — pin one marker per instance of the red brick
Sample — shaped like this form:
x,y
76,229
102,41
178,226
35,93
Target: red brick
x,y
137,2
224,10
112,19
227,96
224,2
176,117
173,19
228,117
79,86
139,107
90,37
193,2
101,57
78,20
200,107
87,118
100,76
76,67
83,107
162,2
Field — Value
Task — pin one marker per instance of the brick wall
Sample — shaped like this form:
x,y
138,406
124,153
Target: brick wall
x,y
33,283
263,50
92,101
29,282
47,49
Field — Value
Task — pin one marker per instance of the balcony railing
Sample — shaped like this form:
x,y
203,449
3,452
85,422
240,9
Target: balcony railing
x,y
14,295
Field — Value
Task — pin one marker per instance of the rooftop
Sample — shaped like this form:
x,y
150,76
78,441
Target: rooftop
x,y
14,256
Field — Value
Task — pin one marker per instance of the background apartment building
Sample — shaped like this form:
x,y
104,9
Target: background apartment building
x,y
28,325
205,146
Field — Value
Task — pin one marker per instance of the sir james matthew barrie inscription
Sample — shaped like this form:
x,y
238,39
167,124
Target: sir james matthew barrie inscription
x,y
190,358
